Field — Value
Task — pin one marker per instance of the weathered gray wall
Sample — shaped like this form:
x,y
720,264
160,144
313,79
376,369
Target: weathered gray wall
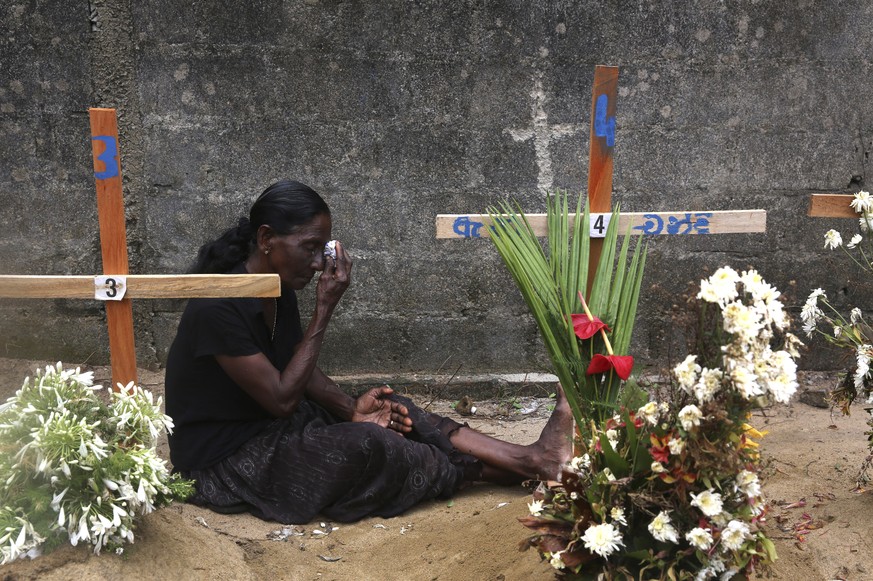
x,y
397,111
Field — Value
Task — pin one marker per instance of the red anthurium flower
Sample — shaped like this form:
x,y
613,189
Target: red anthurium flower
x,y
586,327
623,364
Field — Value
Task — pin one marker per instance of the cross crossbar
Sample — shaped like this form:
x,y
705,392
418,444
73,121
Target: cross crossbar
x,y
144,286
649,223
831,206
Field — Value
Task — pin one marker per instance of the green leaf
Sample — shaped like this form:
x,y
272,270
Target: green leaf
x,y
769,548
640,555
614,462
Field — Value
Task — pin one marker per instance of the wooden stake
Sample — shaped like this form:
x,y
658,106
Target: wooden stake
x,y
604,95
113,239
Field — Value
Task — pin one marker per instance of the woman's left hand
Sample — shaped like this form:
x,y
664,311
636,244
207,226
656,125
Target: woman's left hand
x,y
374,406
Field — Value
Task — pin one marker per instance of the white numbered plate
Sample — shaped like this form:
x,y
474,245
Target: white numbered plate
x,y
110,287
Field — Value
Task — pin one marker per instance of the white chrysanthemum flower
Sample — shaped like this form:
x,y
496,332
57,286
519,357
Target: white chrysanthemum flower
x,y
781,388
856,239
752,281
721,287
662,529
617,514
686,372
746,382
862,203
721,519
862,356
708,384
676,446
649,413
556,561
717,565
766,293
837,331
690,417
813,296
603,539
734,535
769,311
833,240
699,538
865,222
782,376
711,572
741,320
758,505
535,507
580,463
856,316
708,502
747,482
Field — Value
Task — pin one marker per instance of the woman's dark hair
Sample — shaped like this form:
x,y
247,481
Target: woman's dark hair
x,y
284,206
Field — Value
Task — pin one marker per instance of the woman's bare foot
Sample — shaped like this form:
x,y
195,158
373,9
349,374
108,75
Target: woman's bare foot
x,y
554,448
505,462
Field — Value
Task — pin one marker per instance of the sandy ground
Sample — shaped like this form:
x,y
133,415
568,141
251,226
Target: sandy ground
x,y
813,461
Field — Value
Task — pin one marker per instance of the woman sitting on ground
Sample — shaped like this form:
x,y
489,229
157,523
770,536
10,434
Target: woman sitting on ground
x,y
259,427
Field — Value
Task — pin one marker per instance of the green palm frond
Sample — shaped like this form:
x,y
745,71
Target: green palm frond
x,y
550,283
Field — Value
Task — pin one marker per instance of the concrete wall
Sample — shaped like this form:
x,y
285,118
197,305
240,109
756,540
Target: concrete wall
x,y
397,111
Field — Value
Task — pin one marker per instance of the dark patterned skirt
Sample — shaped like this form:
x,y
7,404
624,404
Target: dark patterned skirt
x,y
314,464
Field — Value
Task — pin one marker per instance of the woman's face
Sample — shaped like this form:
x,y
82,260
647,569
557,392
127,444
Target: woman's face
x,y
298,256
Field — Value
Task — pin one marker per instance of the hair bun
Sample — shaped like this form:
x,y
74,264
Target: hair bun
x,y
244,227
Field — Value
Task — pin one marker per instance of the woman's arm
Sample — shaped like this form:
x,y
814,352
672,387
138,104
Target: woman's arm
x,y
373,406
326,393
280,392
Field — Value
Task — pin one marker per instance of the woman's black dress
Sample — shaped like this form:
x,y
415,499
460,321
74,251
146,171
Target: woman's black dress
x,y
291,469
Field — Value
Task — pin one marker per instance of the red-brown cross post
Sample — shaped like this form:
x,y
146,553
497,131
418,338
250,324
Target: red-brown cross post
x,y
116,287
113,238
602,144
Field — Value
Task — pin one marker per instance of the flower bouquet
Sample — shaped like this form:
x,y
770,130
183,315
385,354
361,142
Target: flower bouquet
x,y
77,468
850,333
671,490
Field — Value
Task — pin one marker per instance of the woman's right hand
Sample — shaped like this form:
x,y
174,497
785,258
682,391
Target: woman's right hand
x,y
335,278
375,407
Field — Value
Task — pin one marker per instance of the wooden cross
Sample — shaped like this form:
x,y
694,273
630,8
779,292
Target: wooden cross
x,y
602,140
116,287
